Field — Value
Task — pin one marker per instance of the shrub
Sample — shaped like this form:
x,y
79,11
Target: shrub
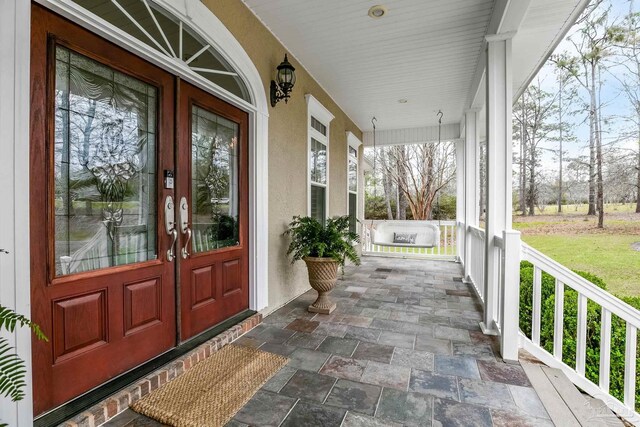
x,y
444,208
570,318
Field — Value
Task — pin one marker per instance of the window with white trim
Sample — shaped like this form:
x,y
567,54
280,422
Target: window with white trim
x,y
318,142
352,180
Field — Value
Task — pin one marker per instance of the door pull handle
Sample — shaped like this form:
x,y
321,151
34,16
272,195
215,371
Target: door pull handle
x,y
185,251
184,226
171,255
170,226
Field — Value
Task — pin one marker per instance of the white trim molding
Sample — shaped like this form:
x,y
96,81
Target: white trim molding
x,y
318,111
15,292
353,142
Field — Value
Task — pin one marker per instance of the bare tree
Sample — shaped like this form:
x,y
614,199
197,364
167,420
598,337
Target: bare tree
x,y
534,115
593,43
386,183
629,60
422,170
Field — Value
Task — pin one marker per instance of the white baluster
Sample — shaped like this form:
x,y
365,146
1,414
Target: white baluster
x,y
581,344
558,321
536,313
630,367
605,349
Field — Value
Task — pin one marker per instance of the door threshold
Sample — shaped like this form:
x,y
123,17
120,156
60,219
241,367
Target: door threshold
x,y
109,399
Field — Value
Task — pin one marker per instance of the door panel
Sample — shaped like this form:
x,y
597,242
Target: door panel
x,y
102,123
213,179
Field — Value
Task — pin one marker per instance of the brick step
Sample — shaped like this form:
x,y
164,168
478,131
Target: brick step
x,y
120,401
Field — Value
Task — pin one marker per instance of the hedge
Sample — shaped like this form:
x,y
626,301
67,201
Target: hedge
x,y
618,328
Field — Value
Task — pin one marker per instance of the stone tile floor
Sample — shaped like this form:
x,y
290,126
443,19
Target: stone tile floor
x,y
403,347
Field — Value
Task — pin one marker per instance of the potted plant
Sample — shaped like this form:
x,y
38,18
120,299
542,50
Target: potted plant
x,y
323,248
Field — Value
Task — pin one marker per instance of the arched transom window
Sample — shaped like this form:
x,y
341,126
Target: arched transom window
x,y
165,33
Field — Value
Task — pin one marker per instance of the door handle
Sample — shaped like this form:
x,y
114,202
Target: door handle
x,y
170,226
184,226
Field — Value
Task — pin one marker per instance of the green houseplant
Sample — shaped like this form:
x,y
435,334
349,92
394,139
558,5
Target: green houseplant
x,y
12,368
323,248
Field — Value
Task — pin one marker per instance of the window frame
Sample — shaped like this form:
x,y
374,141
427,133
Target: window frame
x,y
316,110
353,142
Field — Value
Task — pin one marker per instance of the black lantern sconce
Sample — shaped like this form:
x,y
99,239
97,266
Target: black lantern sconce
x,y
286,79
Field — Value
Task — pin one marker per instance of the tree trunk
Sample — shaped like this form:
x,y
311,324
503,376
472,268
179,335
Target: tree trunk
x,y
560,153
532,180
638,167
386,184
592,143
599,182
401,202
523,172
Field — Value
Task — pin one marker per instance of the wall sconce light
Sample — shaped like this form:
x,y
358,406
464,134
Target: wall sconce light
x,y
286,79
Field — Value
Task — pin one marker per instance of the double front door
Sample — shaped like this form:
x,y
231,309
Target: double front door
x,y
139,210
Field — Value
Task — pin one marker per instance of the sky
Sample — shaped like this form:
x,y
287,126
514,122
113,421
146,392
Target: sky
x,y
615,104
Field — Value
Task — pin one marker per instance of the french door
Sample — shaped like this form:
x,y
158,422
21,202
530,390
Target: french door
x,y
213,188
138,195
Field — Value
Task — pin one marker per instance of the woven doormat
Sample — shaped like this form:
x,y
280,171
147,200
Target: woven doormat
x,y
211,392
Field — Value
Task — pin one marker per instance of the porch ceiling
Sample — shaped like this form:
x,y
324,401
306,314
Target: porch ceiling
x,y
425,51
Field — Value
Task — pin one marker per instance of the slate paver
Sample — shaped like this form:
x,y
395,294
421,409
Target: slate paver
x,y
354,396
344,367
410,409
503,373
433,384
339,346
486,393
264,409
384,375
374,352
306,340
417,359
403,347
276,382
465,367
309,360
433,345
397,339
310,414
353,419
308,385
455,414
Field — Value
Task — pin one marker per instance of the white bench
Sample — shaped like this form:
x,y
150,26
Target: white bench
x,y
427,234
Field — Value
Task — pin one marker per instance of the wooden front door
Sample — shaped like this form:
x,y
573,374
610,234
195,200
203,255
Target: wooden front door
x,y
138,196
213,210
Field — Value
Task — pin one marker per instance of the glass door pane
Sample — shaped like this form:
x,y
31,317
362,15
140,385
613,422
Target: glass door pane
x,y
214,181
104,166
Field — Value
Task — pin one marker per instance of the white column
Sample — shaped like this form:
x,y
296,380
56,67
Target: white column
x,y
499,168
460,201
509,340
471,182
15,35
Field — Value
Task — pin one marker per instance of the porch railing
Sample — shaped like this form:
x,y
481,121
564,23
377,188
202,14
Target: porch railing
x,y
476,259
591,301
446,248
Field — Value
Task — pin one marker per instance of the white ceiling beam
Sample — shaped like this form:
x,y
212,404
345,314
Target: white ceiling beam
x,y
575,14
507,17
422,135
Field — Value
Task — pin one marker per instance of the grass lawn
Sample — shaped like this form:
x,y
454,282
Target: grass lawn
x,y
609,256
573,239
582,209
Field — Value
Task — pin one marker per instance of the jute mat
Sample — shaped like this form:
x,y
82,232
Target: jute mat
x,y
211,392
